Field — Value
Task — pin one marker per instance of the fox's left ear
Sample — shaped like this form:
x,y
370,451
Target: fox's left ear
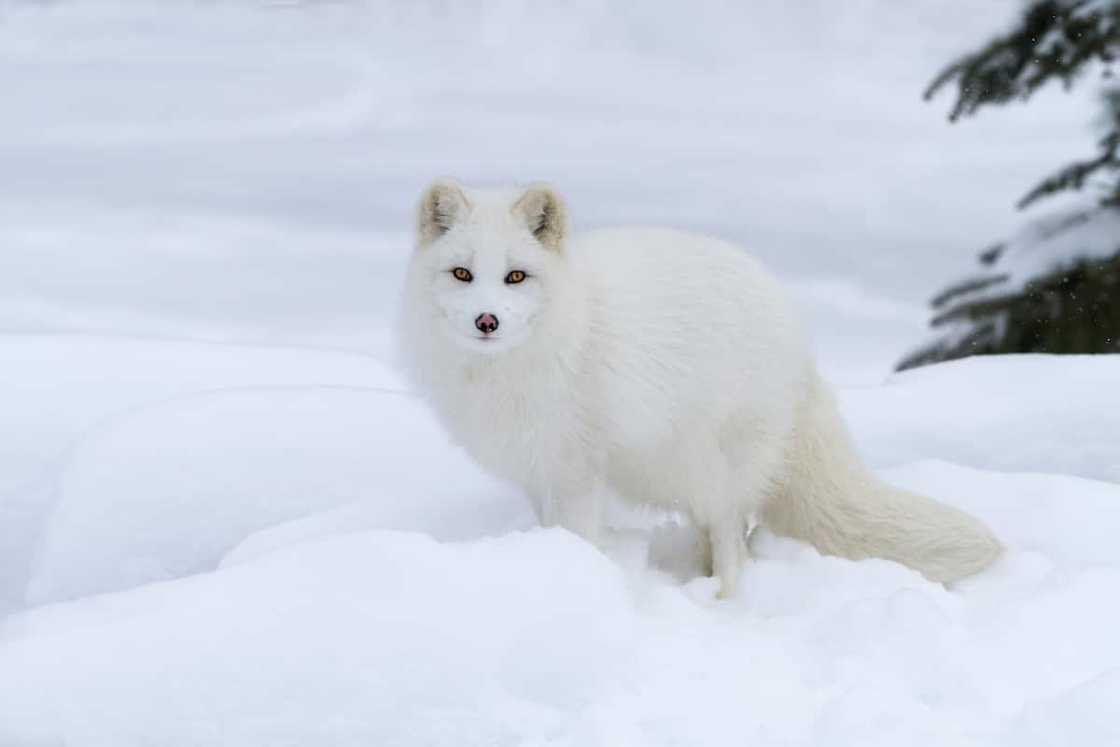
x,y
544,213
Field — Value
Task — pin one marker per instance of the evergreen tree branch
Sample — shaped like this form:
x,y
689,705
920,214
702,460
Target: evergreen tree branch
x,y
1055,39
1076,174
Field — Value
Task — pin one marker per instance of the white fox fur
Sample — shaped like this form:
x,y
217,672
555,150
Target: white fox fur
x,y
667,368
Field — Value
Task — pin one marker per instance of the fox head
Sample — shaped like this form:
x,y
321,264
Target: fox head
x,y
487,264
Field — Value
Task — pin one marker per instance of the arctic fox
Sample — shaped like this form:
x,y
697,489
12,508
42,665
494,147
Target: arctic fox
x,y
665,367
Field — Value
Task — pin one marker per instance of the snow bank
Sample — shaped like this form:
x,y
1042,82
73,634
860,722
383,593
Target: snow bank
x,y
57,387
388,637
59,391
1023,413
167,490
334,572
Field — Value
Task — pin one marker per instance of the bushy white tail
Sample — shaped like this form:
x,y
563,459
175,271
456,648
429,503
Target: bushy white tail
x,y
831,500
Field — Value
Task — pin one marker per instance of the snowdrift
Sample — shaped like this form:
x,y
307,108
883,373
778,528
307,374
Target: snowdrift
x,y
1024,413
303,558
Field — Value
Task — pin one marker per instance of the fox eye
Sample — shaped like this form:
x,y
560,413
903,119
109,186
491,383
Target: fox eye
x,y
515,277
463,274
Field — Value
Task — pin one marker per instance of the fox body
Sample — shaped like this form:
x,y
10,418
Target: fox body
x,y
663,367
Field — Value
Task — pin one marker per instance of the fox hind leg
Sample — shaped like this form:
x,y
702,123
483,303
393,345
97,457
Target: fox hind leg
x,y
729,553
753,457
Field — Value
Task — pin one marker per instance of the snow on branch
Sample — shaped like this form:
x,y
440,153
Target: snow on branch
x,y
1055,39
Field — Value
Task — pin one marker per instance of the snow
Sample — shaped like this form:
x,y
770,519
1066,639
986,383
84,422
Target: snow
x,y
1043,248
60,391
224,520
1058,242
1044,414
1047,246
187,146
393,637
314,564
168,490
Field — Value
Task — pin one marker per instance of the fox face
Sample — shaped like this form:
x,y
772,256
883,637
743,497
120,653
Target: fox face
x,y
486,262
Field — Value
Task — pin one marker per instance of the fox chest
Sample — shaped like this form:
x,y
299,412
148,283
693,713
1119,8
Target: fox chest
x,y
522,433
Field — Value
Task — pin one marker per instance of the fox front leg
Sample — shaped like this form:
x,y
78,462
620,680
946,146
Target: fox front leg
x,y
575,505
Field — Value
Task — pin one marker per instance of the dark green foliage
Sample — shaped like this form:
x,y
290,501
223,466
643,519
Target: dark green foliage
x,y
1055,40
1074,307
1076,310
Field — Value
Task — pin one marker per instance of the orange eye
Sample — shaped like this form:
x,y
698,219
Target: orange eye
x,y
463,274
515,277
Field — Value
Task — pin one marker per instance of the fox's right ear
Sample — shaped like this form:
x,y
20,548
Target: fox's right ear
x,y
443,203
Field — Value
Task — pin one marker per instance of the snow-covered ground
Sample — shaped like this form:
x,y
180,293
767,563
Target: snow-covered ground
x,y
224,520
297,556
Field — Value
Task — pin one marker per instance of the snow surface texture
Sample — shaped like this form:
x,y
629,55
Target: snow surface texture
x,y
1046,246
212,533
331,571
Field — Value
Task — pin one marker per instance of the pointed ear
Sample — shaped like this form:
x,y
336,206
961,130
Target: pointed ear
x,y
544,213
441,206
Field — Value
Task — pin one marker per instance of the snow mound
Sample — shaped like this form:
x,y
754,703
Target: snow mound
x,y
356,581
60,390
388,637
1023,413
169,489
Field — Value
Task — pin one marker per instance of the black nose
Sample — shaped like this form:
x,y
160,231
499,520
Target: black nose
x,y
486,323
